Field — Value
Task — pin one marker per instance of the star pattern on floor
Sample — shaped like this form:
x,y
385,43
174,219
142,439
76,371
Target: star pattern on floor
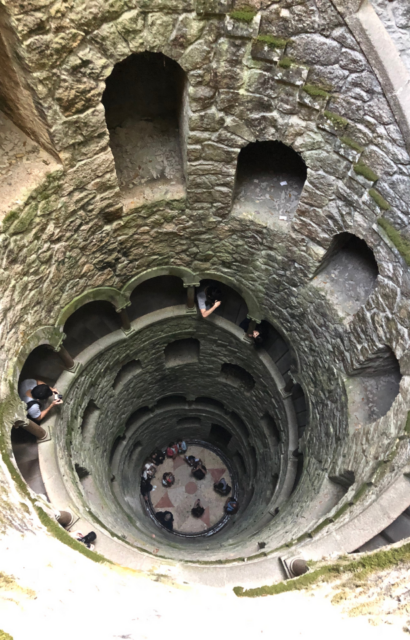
x,y
181,497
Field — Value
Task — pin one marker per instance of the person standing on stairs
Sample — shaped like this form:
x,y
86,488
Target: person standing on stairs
x,y
35,393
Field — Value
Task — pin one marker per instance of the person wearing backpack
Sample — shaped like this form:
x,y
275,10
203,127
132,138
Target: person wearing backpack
x,y
34,393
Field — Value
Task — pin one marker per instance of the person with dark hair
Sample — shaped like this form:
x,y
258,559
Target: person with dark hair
x,y
222,487
166,519
157,457
259,334
208,299
199,470
191,460
168,479
149,471
231,506
35,393
197,510
88,539
146,487
172,450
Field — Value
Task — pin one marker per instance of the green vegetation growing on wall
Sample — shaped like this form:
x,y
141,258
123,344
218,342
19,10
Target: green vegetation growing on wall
x,y
361,568
272,41
402,244
349,142
337,121
246,14
285,62
61,534
407,427
315,91
363,170
379,200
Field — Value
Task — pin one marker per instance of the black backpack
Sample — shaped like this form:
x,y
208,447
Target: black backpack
x,y
30,404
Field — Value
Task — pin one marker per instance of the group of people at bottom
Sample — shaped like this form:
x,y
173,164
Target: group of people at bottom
x,y
198,471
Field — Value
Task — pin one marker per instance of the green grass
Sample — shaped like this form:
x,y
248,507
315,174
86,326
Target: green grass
x,y
272,41
337,121
361,568
351,143
243,15
285,62
379,200
363,170
315,92
61,534
401,243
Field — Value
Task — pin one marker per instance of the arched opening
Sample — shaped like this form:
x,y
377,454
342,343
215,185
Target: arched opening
x,y
44,364
89,323
182,352
144,109
347,274
233,307
372,387
155,294
25,451
269,180
126,373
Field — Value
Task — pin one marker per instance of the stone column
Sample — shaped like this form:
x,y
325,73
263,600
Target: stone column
x,y
32,427
125,320
190,302
66,358
65,518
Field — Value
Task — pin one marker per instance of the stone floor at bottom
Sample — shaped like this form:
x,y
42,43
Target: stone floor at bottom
x,y
180,498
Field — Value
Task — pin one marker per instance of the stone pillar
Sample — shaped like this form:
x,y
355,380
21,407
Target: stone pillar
x,y
190,302
65,518
125,320
32,427
66,358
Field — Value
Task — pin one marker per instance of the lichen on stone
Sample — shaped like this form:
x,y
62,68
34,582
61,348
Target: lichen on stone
x,y
351,143
362,169
379,200
246,14
273,42
315,92
402,244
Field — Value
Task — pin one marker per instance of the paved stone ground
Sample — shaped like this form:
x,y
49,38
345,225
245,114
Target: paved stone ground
x,y
181,497
23,165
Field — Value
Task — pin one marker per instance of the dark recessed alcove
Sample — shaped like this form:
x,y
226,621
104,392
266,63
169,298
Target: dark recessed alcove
x,y
144,110
269,181
155,294
90,322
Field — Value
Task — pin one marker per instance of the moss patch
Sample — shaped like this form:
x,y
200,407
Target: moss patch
x,y
272,41
315,91
361,569
407,427
337,121
61,534
285,62
349,142
5,636
401,243
379,200
246,14
363,170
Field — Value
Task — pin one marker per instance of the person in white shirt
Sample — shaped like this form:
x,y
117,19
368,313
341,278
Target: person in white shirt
x,y
208,299
35,393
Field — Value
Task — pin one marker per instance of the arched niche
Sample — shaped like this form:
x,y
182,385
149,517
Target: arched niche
x,y
108,294
237,300
268,184
188,277
88,324
157,293
372,387
145,111
43,363
347,274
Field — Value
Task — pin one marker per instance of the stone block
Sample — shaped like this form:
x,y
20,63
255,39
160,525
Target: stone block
x,y
240,29
213,7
